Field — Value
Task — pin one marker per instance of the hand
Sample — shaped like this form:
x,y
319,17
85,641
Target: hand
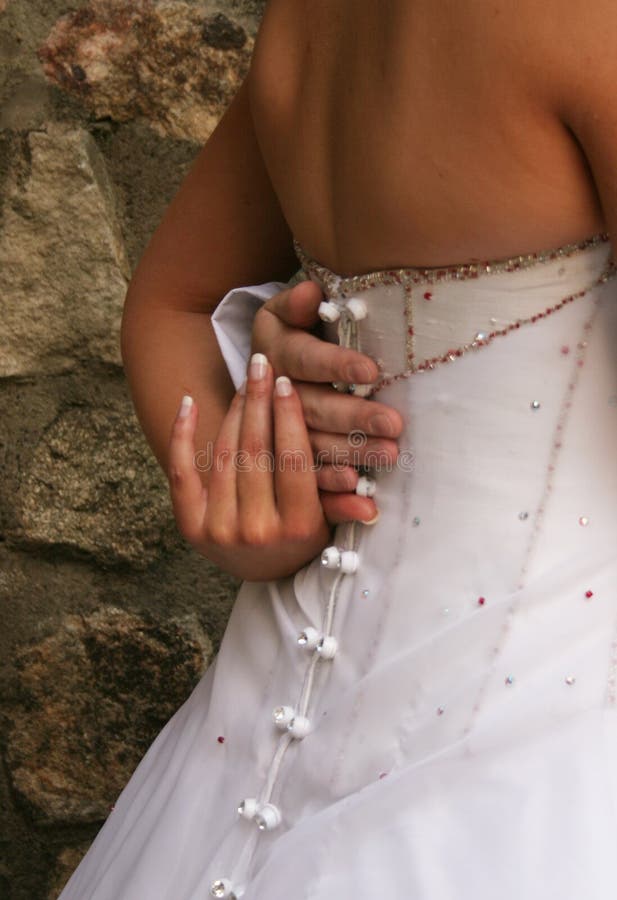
x,y
260,516
280,332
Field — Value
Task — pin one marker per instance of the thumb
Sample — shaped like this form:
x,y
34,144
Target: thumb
x,y
298,305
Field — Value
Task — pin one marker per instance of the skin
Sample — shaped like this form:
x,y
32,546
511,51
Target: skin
x,y
407,133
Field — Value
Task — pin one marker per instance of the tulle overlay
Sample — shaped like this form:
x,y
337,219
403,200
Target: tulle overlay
x,y
463,739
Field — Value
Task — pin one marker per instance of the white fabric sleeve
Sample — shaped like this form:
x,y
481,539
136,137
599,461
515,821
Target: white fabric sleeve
x,y
232,321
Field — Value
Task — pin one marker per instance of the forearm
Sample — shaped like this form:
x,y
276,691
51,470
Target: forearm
x,y
168,352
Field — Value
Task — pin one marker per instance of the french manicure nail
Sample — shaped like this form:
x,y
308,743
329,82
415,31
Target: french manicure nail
x,y
185,406
371,521
258,366
282,386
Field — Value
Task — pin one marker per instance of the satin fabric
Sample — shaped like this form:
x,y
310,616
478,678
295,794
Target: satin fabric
x,y
464,737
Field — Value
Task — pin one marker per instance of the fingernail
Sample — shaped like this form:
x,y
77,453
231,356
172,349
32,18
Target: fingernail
x,y
185,406
258,366
371,521
282,386
359,372
381,424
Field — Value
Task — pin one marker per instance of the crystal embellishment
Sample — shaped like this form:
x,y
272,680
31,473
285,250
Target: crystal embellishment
x,y
221,888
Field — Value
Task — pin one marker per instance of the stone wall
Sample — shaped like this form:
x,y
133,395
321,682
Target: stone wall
x,y
108,617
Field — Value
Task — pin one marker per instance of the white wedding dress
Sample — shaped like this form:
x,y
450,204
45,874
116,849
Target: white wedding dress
x,y
461,711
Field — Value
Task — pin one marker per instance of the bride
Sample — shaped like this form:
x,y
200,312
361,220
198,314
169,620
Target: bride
x,y
415,695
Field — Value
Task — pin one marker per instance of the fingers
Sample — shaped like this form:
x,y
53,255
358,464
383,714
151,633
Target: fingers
x,y
305,357
222,487
297,306
188,495
295,479
354,449
337,479
300,355
326,409
347,508
255,463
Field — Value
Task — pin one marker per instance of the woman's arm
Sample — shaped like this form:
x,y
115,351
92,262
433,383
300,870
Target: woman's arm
x,y
224,228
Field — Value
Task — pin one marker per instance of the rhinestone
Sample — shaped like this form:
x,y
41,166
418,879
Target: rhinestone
x,y
523,515
415,520
440,710
445,611
509,679
480,336
493,320
220,888
365,592
570,679
535,404
589,594
481,601
583,520
565,349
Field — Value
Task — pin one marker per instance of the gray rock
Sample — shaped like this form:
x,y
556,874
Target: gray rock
x,y
126,59
85,704
219,31
93,486
63,267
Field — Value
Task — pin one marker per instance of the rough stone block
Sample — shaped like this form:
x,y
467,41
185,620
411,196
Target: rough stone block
x,y
168,61
63,267
93,486
85,704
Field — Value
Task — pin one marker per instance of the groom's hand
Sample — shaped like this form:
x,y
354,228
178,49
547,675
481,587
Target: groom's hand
x,y
282,332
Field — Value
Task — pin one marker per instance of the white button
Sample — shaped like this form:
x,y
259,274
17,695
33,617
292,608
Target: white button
x,y
345,560
299,727
282,716
349,562
268,817
327,647
357,309
309,638
331,558
248,808
328,312
360,390
366,486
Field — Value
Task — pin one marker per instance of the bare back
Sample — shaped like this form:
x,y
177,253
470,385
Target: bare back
x,y
418,133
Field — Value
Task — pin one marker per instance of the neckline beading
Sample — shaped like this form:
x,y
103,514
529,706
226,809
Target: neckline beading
x,y
344,284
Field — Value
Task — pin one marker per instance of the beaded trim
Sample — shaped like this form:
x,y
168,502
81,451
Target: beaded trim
x,y
483,339
346,284
407,277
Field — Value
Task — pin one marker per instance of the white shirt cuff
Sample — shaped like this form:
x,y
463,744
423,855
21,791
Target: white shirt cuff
x,y
232,321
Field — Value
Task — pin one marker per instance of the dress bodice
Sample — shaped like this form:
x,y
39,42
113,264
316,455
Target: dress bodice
x,y
419,318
